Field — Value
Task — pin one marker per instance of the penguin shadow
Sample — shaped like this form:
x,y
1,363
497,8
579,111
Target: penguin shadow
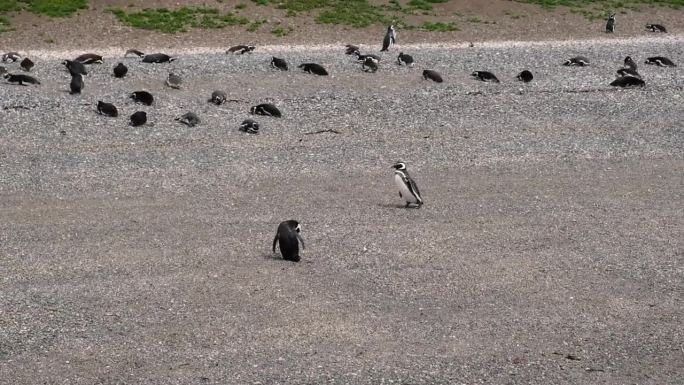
x,y
398,206
277,257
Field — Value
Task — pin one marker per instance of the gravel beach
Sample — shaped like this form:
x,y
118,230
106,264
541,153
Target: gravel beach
x,y
549,249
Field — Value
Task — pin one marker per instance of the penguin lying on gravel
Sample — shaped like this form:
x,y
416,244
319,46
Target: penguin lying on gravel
x,y
370,64
266,109
218,97
577,61
278,63
525,76
249,126
138,118
404,59
288,238
11,56
432,75
628,81
157,58
350,49
143,97
241,49
485,76
21,79
107,109
656,28
134,52
90,58
660,61
362,58
313,68
190,119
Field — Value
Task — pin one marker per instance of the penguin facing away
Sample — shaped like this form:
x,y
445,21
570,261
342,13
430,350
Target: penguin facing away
x,y
75,67
390,38
432,75
288,238
138,118
313,68
408,190
525,76
610,24
120,70
27,64
76,84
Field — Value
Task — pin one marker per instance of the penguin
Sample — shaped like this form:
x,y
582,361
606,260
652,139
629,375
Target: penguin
x,y
11,56
629,63
190,119
362,58
578,61
406,185
241,49
628,81
249,126
278,63
75,67
610,24
218,97
76,84
350,49
288,238
90,58
525,76
390,38
120,70
27,64
628,72
485,76
157,58
370,64
313,68
21,79
660,61
432,75
174,81
656,28
134,52
143,97
107,109
265,109
138,119
404,59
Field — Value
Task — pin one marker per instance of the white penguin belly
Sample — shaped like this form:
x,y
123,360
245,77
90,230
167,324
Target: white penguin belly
x,y
404,190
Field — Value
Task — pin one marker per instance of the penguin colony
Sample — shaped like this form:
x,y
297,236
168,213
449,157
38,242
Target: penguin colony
x,y
288,234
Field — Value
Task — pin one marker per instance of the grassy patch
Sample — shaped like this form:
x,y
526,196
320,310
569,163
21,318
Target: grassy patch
x,y
57,8
280,31
439,26
179,20
4,24
240,6
255,25
598,9
354,13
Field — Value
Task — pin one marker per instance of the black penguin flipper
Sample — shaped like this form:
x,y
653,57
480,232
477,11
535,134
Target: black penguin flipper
x,y
413,187
386,42
275,241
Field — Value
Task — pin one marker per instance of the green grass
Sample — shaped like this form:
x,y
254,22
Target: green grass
x,y
439,26
4,24
57,8
255,25
599,9
353,13
179,20
279,31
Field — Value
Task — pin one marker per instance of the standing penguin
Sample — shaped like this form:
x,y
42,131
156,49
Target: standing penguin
x,y
390,38
610,24
288,238
76,84
408,190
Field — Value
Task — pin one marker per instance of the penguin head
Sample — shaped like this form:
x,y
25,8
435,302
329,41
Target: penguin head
x,y
399,166
6,75
66,63
294,225
252,110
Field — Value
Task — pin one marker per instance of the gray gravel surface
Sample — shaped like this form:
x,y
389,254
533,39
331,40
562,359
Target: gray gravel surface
x,y
549,249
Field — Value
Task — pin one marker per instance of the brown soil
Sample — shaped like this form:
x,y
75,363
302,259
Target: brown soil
x,y
498,20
